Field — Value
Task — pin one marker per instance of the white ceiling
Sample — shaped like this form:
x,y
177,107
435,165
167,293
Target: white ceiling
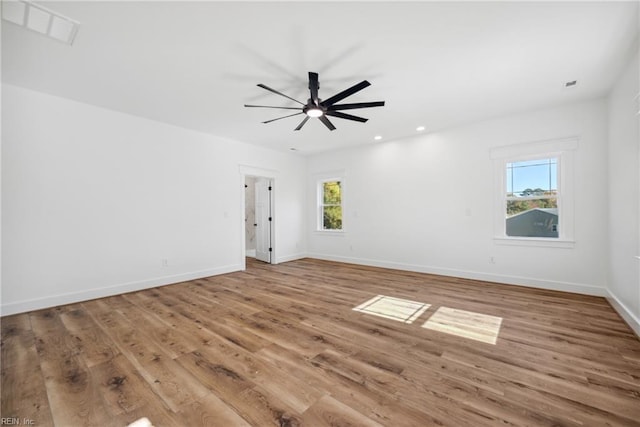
x,y
436,64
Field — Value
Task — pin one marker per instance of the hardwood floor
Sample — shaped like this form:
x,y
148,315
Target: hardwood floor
x,y
281,346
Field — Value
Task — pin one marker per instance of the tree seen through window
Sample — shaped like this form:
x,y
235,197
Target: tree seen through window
x,y
331,206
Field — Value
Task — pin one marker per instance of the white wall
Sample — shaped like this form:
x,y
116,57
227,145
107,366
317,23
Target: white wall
x,y
94,200
426,203
624,194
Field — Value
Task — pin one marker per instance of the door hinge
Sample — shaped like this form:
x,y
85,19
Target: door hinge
x,y
270,249
270,219
269,188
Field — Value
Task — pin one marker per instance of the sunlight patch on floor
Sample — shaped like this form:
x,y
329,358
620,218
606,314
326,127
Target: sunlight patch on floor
x,y
467,324
398,309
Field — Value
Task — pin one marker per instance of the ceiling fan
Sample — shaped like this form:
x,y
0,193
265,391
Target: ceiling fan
x,y
315,107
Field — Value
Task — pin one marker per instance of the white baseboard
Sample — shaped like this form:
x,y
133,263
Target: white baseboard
x,y
475,275
85,295
288,258
74,297
624,312
250,253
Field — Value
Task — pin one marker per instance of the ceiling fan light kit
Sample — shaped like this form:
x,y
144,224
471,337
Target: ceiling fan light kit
x,y
317,108
313,112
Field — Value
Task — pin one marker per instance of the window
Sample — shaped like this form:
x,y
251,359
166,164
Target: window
x,y
531,196
534,193
330,205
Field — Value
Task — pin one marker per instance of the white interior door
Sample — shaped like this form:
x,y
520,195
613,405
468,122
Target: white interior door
x,y
263,219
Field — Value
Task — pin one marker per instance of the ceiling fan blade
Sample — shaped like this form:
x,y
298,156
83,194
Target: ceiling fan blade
x,y
356,105
346,116
270,106
279,93
327,123
302,123
314,85
284,117
347,92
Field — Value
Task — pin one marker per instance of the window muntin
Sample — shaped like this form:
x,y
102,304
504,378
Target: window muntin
x,y
533,175
330,206
531,198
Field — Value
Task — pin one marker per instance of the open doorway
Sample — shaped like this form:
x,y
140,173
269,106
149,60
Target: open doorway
x,y
258,218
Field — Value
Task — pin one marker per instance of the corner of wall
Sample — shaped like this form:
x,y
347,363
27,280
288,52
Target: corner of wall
x,y
623,151
624,312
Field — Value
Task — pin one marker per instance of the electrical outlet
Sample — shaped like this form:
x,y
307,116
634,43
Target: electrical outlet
x,y
164,262
492,260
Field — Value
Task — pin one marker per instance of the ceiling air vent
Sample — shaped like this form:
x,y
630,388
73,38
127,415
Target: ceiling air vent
x,y
40,19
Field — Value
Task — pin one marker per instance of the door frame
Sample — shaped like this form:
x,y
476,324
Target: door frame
x,y
252,171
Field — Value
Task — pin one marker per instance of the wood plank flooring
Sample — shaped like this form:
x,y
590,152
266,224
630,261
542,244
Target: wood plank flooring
x,y
281,346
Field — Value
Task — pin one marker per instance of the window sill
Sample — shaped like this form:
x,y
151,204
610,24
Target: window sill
x,y
335,233
535,242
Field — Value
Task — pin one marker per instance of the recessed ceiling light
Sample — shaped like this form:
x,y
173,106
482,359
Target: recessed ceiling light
x,y
40,19
377,137
571,83
420,128
293,149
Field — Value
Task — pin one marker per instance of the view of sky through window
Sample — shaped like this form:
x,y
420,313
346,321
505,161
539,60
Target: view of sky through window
x,y
532,174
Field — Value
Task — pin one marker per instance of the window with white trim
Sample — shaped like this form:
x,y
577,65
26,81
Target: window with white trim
x,y
330,213
534,193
